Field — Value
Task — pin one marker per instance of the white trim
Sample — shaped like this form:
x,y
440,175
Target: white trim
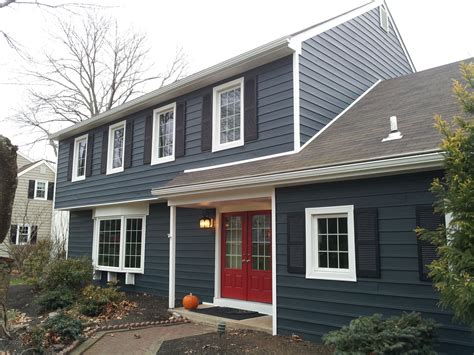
x,y
123,236
74,176
110,148
126,209
28,239
296,100
216,116
274,265
383,12
264,308
172,259
24,156
35,165
46,185
383,166
339,115
239,162
106,204
156,135
313,271
217,257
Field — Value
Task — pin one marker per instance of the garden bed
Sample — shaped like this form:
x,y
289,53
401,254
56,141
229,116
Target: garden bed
x,y
242,342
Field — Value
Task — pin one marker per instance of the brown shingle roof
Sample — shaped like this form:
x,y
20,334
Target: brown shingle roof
x,y
357,135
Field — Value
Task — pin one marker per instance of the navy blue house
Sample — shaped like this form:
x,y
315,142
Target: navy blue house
x,y
287,180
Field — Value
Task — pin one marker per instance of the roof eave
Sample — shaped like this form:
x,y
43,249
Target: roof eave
x,y
249,60
402,164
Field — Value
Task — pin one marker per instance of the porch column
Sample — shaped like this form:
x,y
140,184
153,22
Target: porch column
x,y
172,258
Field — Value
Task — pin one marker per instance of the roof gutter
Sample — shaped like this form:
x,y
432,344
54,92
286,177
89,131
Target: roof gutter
x,y
259,56
426,161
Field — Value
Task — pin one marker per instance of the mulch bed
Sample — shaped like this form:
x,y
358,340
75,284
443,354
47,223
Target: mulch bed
x,y
21,298
242,342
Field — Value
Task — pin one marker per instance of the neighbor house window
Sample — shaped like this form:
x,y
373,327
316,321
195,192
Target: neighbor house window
x,y
116,147
228,116
41,188
163,134
120,243
23,234
330,246
79,160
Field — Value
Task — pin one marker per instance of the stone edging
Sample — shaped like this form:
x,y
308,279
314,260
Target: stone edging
x,y
125,326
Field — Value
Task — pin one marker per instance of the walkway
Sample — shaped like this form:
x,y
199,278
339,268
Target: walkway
x,y
140,341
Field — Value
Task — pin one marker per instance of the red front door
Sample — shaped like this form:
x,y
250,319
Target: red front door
x,y
246,256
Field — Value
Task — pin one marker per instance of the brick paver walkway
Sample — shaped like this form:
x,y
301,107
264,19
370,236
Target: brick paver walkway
x,y
141,341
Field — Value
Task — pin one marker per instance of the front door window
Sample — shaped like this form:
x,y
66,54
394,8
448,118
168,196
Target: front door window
x,y
233,257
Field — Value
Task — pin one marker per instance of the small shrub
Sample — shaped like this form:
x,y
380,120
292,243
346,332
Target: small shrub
x,y
408,333
19,254
64,326
37,336
41,254
96,298
72,274
59,298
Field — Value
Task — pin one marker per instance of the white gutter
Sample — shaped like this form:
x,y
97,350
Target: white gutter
x,y
427,161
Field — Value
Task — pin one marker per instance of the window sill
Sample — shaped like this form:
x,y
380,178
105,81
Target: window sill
x,y
40,199
114,171
219,147
79,178
118,270
332,275
162,160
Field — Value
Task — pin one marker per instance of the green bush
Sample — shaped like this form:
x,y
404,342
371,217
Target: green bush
x,y
59,298
71,274
407,334
96,298
39,257
37,337
64,326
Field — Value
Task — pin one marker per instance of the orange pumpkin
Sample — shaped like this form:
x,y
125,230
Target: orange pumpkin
x,y
190,301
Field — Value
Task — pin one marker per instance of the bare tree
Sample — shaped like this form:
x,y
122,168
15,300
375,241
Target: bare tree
x,y
95,66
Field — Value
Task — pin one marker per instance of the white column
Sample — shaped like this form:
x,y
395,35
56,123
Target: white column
x,y
172,266
274,263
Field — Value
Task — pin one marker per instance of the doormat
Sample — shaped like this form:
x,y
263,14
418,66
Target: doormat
x,y
231,313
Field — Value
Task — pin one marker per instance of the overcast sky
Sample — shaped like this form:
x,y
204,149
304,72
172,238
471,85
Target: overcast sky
x,y
435,32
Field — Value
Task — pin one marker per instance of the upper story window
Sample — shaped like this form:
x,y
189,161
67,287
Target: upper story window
x,y
163,134
79,160
330,244
41,190
116,149
228,116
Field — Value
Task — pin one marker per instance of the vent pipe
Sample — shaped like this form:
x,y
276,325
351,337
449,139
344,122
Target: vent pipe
x,y
394,132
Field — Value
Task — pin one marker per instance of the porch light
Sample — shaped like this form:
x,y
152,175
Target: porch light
x,y
206,223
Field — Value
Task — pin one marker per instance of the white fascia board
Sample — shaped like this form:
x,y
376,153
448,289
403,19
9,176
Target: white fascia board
x,y
37,164
385,166
82,207
259,56
24,156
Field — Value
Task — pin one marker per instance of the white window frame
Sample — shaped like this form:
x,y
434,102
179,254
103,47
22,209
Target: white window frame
x,y
45,191
216,113
155,159
18,234
110,148
313,271
123,232
75,177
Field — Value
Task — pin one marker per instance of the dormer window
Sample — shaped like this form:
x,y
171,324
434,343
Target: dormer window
x,y
79,160
228,117
163,134
116,148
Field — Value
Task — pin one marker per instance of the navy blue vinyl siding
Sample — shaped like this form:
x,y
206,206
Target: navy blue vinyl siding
x,y
195,255
81,234
311,308
337,66
275,135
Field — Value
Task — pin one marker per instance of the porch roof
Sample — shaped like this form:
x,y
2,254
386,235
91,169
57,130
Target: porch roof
x,y
356,136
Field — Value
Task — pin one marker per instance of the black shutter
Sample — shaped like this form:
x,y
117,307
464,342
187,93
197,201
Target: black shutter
x,y
128,144
13,230
296,243
367,242
206,123
70,162
50,191
180,129
427,218
31,189
105,147
34,234
90,153
250,109
148,139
